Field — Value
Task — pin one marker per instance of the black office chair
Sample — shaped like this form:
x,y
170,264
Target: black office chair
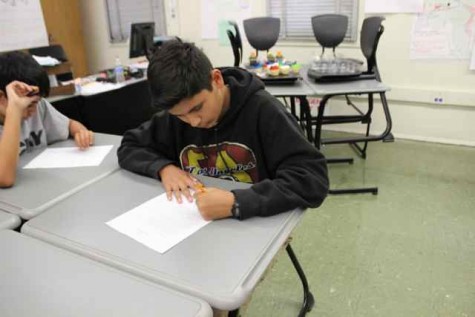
x,y
371,31
329,30
262,33
236,43
55,51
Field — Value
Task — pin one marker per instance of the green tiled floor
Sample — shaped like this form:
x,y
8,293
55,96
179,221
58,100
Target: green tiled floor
x,y
409,251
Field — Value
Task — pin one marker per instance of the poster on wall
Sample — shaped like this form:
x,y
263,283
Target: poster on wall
x,y
22,25
215,15
393,6
444,30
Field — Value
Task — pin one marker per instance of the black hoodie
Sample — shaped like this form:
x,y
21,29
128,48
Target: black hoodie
x,y
257,141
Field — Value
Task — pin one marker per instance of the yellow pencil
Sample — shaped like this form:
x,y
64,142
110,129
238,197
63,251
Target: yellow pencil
x,y
200,187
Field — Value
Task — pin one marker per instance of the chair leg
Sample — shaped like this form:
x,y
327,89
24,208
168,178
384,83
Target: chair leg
x,y
348,160
363,190
308,299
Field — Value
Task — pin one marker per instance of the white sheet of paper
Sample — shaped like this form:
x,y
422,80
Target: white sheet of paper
x,y
159,223
64,157
93,88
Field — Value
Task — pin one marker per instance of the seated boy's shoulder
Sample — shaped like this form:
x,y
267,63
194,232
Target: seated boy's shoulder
x,y
262,97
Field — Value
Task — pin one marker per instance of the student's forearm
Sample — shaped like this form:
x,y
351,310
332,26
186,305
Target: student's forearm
x,y
75,127
9,148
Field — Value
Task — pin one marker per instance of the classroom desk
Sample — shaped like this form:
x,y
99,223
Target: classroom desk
x,y
326,91
9,221
113,112
118,110
38,279
221,263
357,87
69,105
37,189
298,90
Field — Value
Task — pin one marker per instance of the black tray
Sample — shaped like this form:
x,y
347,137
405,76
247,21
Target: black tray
x,y
289,79
328,78
344,69
279,80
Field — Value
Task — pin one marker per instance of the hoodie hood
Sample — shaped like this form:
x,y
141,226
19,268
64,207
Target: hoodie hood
x,y
242,85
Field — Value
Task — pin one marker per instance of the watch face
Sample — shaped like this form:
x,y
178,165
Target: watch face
x,y
235,210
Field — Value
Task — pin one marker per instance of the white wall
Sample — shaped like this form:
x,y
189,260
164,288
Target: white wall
x,y
414,84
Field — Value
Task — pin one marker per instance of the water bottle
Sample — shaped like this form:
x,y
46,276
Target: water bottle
x,y
119,71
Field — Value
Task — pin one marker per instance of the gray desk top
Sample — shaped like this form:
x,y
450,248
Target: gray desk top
x,y
308,87
38,279
221,263
344,87
299,88
350,87
9,221
37,189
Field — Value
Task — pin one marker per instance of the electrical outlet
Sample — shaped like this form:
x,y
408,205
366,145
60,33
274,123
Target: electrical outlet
x,y
438,99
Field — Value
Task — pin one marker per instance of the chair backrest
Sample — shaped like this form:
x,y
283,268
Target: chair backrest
x,y
236,42
371,31
329,29
262,33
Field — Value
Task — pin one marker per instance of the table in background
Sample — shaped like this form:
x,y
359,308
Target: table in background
x,y
38,279
300,90
9,221
69,105
356,87
114,111
221,263
326,91
39,188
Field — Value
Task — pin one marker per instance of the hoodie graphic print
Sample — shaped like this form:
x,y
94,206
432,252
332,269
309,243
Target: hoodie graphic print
x,y
227,160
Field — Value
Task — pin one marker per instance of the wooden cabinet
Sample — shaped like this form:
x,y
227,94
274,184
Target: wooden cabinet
x,y
64,27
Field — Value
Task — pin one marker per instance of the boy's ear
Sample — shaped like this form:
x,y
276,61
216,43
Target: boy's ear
x,y
217,77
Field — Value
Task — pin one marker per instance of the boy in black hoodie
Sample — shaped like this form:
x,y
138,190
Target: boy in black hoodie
x,y
222,123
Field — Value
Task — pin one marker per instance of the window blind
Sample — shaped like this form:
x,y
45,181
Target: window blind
x,y
122,13
295,16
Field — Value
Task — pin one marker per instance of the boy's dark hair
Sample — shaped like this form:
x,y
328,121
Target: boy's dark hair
x,y
22,67
177,70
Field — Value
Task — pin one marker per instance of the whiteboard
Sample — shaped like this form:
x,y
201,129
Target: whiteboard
x,y
21,25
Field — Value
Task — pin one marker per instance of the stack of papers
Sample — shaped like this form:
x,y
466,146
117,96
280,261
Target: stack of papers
x,y
46,60
93,88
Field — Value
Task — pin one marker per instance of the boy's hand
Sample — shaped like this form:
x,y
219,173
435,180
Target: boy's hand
x,y
17,95
214,203
177,182
84,138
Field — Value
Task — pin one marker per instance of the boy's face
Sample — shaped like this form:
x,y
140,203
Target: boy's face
x,y
28,112
205,109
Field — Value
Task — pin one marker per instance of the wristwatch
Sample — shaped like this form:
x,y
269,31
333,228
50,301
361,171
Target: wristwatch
x,y
236,214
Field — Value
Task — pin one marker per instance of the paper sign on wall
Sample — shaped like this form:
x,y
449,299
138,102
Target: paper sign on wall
x,y
22,25
393,6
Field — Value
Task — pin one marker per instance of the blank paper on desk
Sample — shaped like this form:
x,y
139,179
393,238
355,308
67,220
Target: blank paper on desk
x,y
159,223
65,157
